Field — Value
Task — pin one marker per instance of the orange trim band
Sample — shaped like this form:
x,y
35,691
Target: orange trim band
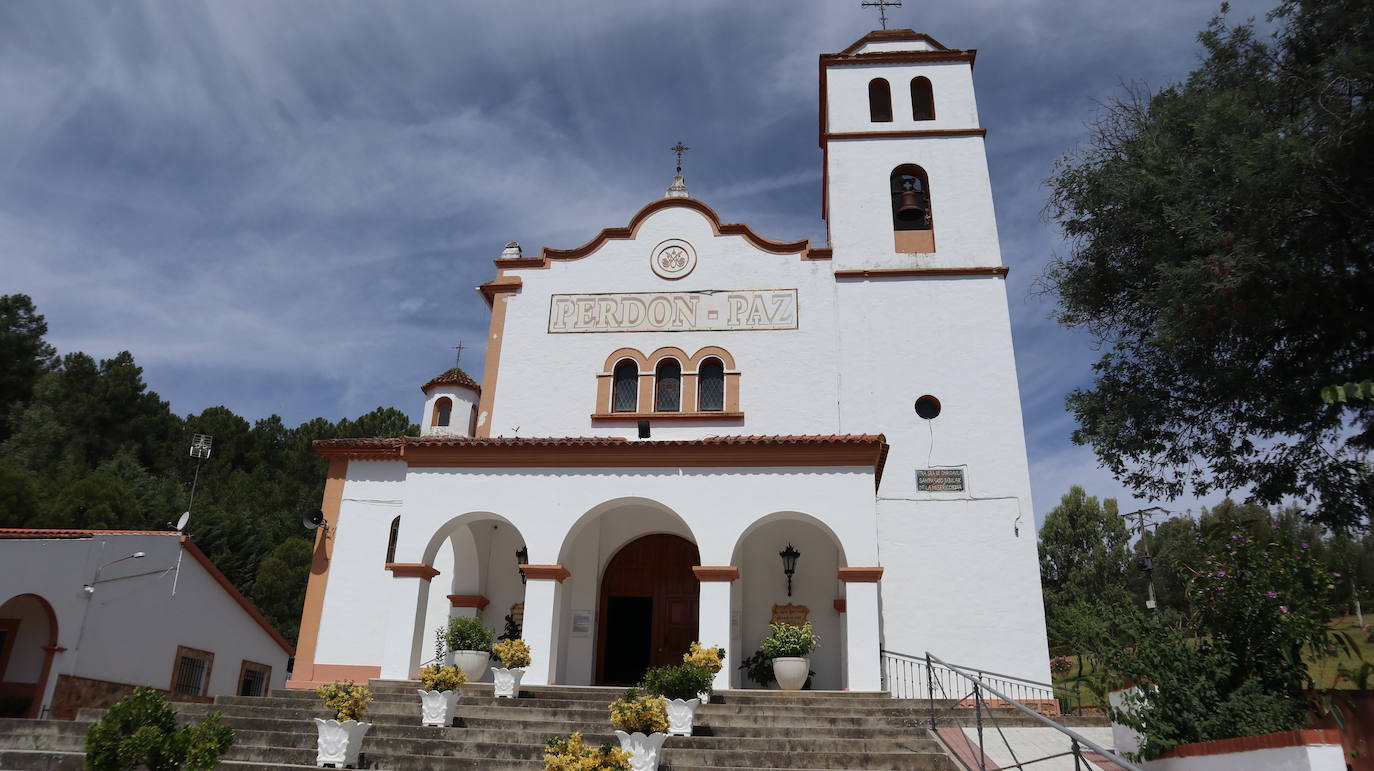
x,y
411,570
999,270
631,417
902,35
468,601
545,573
841,606
861,575
715,573
1260,742
498,286
909,134
313,609
228,586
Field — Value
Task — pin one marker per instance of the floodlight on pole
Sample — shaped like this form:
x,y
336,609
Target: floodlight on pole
x,y
90,588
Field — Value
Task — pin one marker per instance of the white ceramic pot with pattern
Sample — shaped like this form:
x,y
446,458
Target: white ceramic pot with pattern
x,y
681,713
644,750
340,742
436,707
507,682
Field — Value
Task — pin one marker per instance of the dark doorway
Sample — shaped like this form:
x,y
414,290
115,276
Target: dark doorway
x,y
648,608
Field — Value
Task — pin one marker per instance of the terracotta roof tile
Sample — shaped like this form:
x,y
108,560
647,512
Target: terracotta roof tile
x,y
31,532
453,377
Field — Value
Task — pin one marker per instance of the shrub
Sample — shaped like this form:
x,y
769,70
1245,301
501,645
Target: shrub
x,y
571,754
441,678
640,712
141,731
706,658
786,640
513,653
512,630
467,634
348,701
759,669
683,681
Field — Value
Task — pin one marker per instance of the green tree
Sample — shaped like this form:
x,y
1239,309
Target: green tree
x,y
279,589
1221,248
99,501
24,352
20,496
1083,559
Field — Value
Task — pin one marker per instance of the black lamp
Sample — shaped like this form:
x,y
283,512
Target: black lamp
x,y
789,564
522,557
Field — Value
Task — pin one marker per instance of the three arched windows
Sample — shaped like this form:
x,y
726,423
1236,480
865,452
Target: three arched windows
x,y
681,385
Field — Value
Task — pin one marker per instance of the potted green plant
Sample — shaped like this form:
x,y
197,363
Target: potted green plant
x,y
679,685
707,658
514,656
341,739
641,722
758,668
572,754
469,646
787,646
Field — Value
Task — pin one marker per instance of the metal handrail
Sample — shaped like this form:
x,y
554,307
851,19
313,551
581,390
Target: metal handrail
x,y
1072,734
998,675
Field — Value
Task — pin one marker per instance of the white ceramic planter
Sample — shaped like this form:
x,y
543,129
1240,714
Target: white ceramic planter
x,y
436,707
681,713
507,682
339,743
473,663
644,750
791,672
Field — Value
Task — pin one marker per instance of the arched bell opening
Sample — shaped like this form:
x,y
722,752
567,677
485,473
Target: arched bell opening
x,y
816,594
912,223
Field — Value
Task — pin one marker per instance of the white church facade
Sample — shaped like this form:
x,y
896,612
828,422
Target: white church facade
x,y
667,409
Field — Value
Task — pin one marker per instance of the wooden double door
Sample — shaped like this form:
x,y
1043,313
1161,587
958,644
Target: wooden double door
x,y
648,608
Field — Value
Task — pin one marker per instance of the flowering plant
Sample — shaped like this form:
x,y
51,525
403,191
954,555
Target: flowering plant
x,y
706,658
348,701
636,711
441,678
572,754
786,640
513,653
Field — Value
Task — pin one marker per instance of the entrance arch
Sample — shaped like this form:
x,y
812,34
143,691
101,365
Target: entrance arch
x,y
28,641
647,606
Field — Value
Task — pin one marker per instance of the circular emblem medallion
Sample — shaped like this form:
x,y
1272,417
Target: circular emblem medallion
x,y
673,259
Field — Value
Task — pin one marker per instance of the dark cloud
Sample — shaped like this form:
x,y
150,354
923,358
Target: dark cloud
x,y
284,207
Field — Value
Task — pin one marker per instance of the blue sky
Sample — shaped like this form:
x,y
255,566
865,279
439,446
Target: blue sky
x,y
284,206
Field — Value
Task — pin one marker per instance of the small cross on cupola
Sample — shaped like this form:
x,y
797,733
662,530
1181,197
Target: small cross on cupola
x,y
679,187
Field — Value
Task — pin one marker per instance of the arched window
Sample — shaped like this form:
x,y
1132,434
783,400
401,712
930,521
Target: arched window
x,y
879,101
910,198
391,541
922,100
711,386
625,396
668,386
443,411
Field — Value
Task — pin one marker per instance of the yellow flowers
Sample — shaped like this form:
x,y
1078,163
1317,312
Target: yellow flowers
x,y
572,754
348,701
706,658
639,712
513,653
441,678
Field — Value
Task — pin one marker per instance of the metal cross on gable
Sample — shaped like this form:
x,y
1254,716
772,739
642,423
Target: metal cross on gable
x,y
458,359
679,148
882,6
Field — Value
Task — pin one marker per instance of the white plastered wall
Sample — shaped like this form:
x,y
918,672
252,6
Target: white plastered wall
x,y
128,629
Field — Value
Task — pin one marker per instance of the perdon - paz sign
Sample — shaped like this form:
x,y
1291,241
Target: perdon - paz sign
x,y
707,311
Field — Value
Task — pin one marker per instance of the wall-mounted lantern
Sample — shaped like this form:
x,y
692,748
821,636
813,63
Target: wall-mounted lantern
x,y
522,557
789,564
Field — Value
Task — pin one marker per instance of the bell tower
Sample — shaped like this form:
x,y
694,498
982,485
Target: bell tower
x,y
906,177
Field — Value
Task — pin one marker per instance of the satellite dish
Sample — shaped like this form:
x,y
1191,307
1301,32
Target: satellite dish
x,y
312,519
181,523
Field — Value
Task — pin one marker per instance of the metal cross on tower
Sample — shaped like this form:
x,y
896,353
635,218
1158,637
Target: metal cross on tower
x,y
882,6
679,148
458,358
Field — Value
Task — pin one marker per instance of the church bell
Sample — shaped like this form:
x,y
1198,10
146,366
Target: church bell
x,y
911,201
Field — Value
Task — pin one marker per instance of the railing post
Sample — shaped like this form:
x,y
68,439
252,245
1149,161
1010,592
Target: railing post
x,y
930,689
978,716
1077,754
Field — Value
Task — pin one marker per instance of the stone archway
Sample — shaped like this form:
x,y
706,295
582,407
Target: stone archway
x,y
28,641
647,607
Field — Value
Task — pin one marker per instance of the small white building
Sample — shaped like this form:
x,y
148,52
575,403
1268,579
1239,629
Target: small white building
x,y
88,615
668,409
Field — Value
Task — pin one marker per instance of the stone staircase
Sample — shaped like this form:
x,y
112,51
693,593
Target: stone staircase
x,y
739,729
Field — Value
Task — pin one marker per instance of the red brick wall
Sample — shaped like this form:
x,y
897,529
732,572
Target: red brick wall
x,y
73,693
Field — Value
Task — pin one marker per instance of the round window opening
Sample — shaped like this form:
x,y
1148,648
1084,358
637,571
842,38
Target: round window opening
x,y
928,407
